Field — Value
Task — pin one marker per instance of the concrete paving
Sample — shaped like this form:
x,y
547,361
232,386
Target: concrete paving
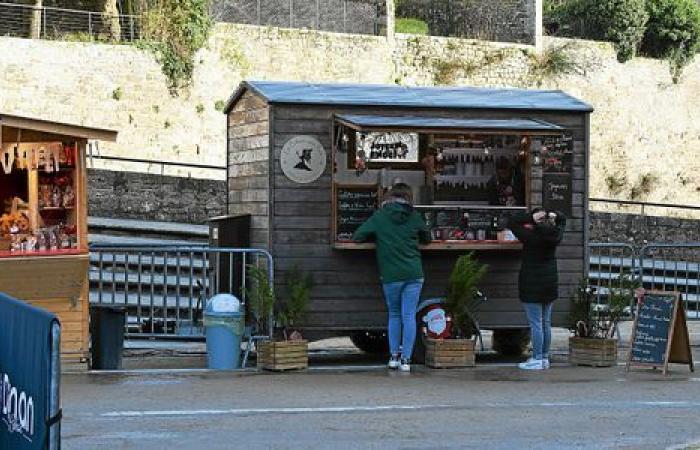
x,y
349,400
494,405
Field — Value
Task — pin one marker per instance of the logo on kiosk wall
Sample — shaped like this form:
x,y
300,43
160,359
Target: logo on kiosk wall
x,y
303,159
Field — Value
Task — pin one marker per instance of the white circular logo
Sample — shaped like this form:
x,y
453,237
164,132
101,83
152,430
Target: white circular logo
x,y
303,159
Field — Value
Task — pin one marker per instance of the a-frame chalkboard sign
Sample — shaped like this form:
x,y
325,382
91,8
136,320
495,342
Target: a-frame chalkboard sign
x,y
660,332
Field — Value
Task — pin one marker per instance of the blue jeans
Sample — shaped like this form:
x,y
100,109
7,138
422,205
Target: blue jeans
x,y
539,316
402,301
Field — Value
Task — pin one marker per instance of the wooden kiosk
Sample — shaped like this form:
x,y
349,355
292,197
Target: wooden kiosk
x,y
43,220
310,162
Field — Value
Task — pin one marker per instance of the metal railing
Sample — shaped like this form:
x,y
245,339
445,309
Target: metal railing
x,y
674,267
345,16
165,288
644,205
71,24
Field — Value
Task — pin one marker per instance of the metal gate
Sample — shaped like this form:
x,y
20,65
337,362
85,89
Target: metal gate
x,y
612,267
165,288
674,267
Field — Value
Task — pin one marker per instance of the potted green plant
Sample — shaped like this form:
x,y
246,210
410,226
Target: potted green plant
x,y
462,297
594,326
287,349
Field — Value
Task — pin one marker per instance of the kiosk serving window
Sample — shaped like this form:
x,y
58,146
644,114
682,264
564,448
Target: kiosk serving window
x,y
467,176
38,198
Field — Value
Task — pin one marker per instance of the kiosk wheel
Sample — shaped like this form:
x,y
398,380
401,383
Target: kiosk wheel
x,y
511,342
372,342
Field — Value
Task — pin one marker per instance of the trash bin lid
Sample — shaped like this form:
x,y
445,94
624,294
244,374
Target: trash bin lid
x,y
223,304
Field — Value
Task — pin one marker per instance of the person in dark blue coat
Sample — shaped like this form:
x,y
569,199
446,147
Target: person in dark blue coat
x,y
540,232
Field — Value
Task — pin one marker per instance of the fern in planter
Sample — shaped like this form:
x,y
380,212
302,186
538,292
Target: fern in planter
x,y
463,294
261,298
587,319
299,285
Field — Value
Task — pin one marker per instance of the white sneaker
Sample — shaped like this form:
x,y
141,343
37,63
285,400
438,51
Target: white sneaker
x,y
545,363
532,364
405,366
394,363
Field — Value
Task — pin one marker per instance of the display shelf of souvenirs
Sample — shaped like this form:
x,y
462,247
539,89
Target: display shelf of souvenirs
x,y
45,240
46,157
56,192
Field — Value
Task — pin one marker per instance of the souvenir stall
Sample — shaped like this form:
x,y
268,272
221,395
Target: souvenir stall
x,y
311,162
43,220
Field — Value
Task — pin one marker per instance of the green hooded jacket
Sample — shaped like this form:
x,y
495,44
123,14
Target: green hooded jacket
x,y
397,229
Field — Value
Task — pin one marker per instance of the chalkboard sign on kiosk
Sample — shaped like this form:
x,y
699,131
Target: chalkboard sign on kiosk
x,y
354,204
660,332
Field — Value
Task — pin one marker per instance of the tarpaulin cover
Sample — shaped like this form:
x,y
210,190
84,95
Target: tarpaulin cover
x,y
418,97
371,121
25,375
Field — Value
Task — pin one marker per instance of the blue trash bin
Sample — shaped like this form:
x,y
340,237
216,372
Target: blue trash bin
x,y
224,323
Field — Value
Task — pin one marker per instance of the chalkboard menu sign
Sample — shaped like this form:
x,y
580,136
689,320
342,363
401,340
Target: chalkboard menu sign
x,y
557,160
660,333
354,204
556,192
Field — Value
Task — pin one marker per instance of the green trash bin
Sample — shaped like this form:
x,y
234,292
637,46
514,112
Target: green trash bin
x,y
224,324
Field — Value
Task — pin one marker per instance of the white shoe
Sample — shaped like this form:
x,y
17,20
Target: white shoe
x,y
545,363
405,366
394,363
532,364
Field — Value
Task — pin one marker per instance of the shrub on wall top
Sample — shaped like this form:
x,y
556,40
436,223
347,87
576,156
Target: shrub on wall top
x,y
621,22
673,32
411,26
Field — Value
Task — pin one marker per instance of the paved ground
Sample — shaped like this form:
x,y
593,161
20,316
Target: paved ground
x,y
363,406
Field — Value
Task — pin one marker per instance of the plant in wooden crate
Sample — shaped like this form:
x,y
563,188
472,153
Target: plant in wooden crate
x,y
594,325
462,296
286,350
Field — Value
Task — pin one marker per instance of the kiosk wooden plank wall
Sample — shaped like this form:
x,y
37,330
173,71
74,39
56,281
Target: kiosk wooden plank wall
x,y
347,293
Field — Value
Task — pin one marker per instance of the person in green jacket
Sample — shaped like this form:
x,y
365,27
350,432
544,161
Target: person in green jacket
x,y
540,232
398,229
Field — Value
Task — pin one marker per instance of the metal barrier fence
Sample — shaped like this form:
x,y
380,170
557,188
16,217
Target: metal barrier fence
x,y
674,267
165,288
345,16
612,267
57,23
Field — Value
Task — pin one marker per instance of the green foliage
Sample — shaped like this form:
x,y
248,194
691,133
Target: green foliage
x,y
554,62
673,32
219,105
621,22
411,26
174,30
117,94
200,108
296,298
261,297
167,124
587,319
462,293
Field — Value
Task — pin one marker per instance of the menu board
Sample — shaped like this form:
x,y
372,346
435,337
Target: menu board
x,y
650,339
353,206
556,192
557,160
557,153
660,333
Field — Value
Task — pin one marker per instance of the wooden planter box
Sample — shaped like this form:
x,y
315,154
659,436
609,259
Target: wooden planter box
x,y
283,355
448,353
592,352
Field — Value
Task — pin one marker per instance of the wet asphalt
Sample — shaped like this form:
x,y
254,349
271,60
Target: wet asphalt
x,y
349,401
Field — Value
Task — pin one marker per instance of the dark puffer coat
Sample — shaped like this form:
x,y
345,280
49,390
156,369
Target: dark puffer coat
x,y
539,277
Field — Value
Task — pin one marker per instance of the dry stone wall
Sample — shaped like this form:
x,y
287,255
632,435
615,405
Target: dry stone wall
x,y
645,136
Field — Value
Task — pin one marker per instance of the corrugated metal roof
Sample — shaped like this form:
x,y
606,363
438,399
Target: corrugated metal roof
x,y
374,121
414,97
